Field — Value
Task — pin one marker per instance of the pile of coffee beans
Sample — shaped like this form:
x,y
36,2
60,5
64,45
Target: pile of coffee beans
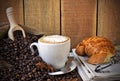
x,y
25,65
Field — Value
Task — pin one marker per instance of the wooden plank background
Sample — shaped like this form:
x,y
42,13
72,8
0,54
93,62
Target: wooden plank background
x,y
109,20
75,18
18,10
43,15
78,19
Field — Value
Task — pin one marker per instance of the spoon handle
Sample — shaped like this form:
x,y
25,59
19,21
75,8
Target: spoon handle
x,y
67,66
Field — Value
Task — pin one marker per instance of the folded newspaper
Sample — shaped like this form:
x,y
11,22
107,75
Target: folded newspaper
x,y
88,73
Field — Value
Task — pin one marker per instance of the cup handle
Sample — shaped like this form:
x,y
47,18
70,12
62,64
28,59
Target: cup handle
x,y
31,46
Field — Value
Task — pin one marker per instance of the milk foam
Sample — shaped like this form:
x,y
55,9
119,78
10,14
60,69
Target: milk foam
x,y
54,39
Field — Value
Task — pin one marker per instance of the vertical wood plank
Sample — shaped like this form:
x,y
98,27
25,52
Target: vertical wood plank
x,y
18,10
109,20
78,19
43,15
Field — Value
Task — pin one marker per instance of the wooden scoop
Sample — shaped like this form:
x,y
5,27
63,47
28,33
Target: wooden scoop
x,y
13,24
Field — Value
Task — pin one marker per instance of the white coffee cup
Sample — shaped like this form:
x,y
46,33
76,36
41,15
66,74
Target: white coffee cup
x,y
53,49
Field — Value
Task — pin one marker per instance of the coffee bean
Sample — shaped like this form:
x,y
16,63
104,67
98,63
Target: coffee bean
x,y
24,62
23,78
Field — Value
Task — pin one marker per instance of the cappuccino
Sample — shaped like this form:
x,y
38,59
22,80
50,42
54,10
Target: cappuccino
x,y
53,39
53,49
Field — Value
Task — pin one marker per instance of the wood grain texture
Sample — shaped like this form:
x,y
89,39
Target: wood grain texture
x,y
78,19
43,16
109,20
18,10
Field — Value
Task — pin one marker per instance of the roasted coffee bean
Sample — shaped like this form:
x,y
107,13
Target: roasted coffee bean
x,y
18,54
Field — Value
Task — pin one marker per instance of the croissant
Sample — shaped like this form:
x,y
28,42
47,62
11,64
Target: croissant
x,y
99,49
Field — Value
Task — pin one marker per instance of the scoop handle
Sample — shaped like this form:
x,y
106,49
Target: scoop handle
x,y
11,18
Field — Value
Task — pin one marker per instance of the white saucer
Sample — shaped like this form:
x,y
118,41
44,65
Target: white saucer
x,y
72,67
